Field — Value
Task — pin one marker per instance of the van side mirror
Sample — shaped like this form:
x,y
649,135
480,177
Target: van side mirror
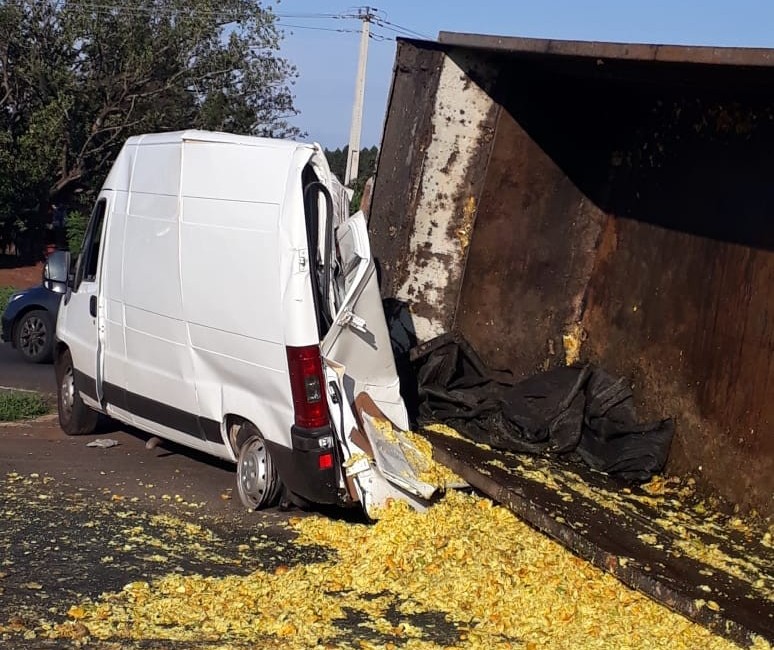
x,y
56,271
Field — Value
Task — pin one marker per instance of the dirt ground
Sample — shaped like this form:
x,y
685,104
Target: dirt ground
x,y
19,277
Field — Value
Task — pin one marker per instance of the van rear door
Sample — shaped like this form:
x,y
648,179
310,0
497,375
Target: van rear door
x,y
360,368
358,340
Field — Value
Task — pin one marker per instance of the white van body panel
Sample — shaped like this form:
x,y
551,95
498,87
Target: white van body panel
x,y
229,224
158,360
202,287
204,282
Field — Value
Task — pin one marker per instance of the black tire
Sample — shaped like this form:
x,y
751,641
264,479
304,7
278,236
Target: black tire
x,y
75,417
33,336
258,483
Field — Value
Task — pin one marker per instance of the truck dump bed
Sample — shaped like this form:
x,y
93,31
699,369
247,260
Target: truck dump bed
x,y
605,202
560,202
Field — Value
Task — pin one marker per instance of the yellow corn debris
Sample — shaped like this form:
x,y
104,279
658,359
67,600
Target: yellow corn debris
x,y
495,580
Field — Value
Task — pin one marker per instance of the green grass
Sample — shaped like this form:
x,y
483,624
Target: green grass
x,y
5,294
18,405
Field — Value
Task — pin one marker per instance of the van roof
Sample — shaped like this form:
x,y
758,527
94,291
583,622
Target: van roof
x,y
194,135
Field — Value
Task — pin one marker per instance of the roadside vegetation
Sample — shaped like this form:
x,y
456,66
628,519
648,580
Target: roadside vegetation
x,y
21,405
68,103
337,159
5,295
76,229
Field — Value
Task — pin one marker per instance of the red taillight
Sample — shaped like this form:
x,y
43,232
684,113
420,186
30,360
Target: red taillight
x,y
308,386
325,461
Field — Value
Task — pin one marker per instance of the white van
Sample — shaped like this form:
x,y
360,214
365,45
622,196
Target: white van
x,y
224,299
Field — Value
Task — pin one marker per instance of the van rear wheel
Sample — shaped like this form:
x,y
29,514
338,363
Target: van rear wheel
x,y
258,483
75,417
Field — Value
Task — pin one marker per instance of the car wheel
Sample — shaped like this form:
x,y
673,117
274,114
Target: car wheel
x,y
34,336
258,483
75,417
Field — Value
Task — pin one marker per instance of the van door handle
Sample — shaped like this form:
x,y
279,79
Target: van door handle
x,y
93,306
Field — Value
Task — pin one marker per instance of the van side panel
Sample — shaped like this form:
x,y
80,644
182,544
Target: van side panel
x,y
230,266
159,372
231,256
235,172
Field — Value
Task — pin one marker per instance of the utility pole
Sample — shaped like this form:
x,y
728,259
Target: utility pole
x,y
353,156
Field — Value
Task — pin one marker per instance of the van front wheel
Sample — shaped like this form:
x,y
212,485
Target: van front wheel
x,y
257,481
75,417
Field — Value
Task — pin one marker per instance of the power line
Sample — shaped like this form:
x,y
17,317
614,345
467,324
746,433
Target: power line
x,y
169,10
386,24
311,16
321,29
378,18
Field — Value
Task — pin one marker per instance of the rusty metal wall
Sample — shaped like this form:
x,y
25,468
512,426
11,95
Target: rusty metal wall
x,y
530,257
638,224
433,161
682,295
407,133
625,216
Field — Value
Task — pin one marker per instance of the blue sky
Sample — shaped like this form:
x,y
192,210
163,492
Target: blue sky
x,y
327,60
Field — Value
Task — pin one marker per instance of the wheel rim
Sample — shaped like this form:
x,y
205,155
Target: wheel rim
x,y
67,393
253,470
33,336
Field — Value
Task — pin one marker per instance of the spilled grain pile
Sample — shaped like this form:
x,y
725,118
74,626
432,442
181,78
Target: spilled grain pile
x,y
486,580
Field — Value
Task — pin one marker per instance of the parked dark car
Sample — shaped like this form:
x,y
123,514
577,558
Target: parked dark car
x,y
29,321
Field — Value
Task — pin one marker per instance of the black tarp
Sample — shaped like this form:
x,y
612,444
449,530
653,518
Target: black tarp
x,y
576,410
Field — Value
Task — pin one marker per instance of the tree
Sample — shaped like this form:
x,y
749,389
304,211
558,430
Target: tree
x,y
78,77
337,161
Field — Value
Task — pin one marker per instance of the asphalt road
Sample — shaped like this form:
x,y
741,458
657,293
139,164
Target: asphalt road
x,y
78,522
166,480
17,373
65,510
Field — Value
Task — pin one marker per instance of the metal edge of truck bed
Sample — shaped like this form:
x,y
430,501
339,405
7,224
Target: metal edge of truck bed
x,y
700,54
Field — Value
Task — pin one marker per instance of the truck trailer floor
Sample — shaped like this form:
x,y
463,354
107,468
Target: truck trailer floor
x,y
660,539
